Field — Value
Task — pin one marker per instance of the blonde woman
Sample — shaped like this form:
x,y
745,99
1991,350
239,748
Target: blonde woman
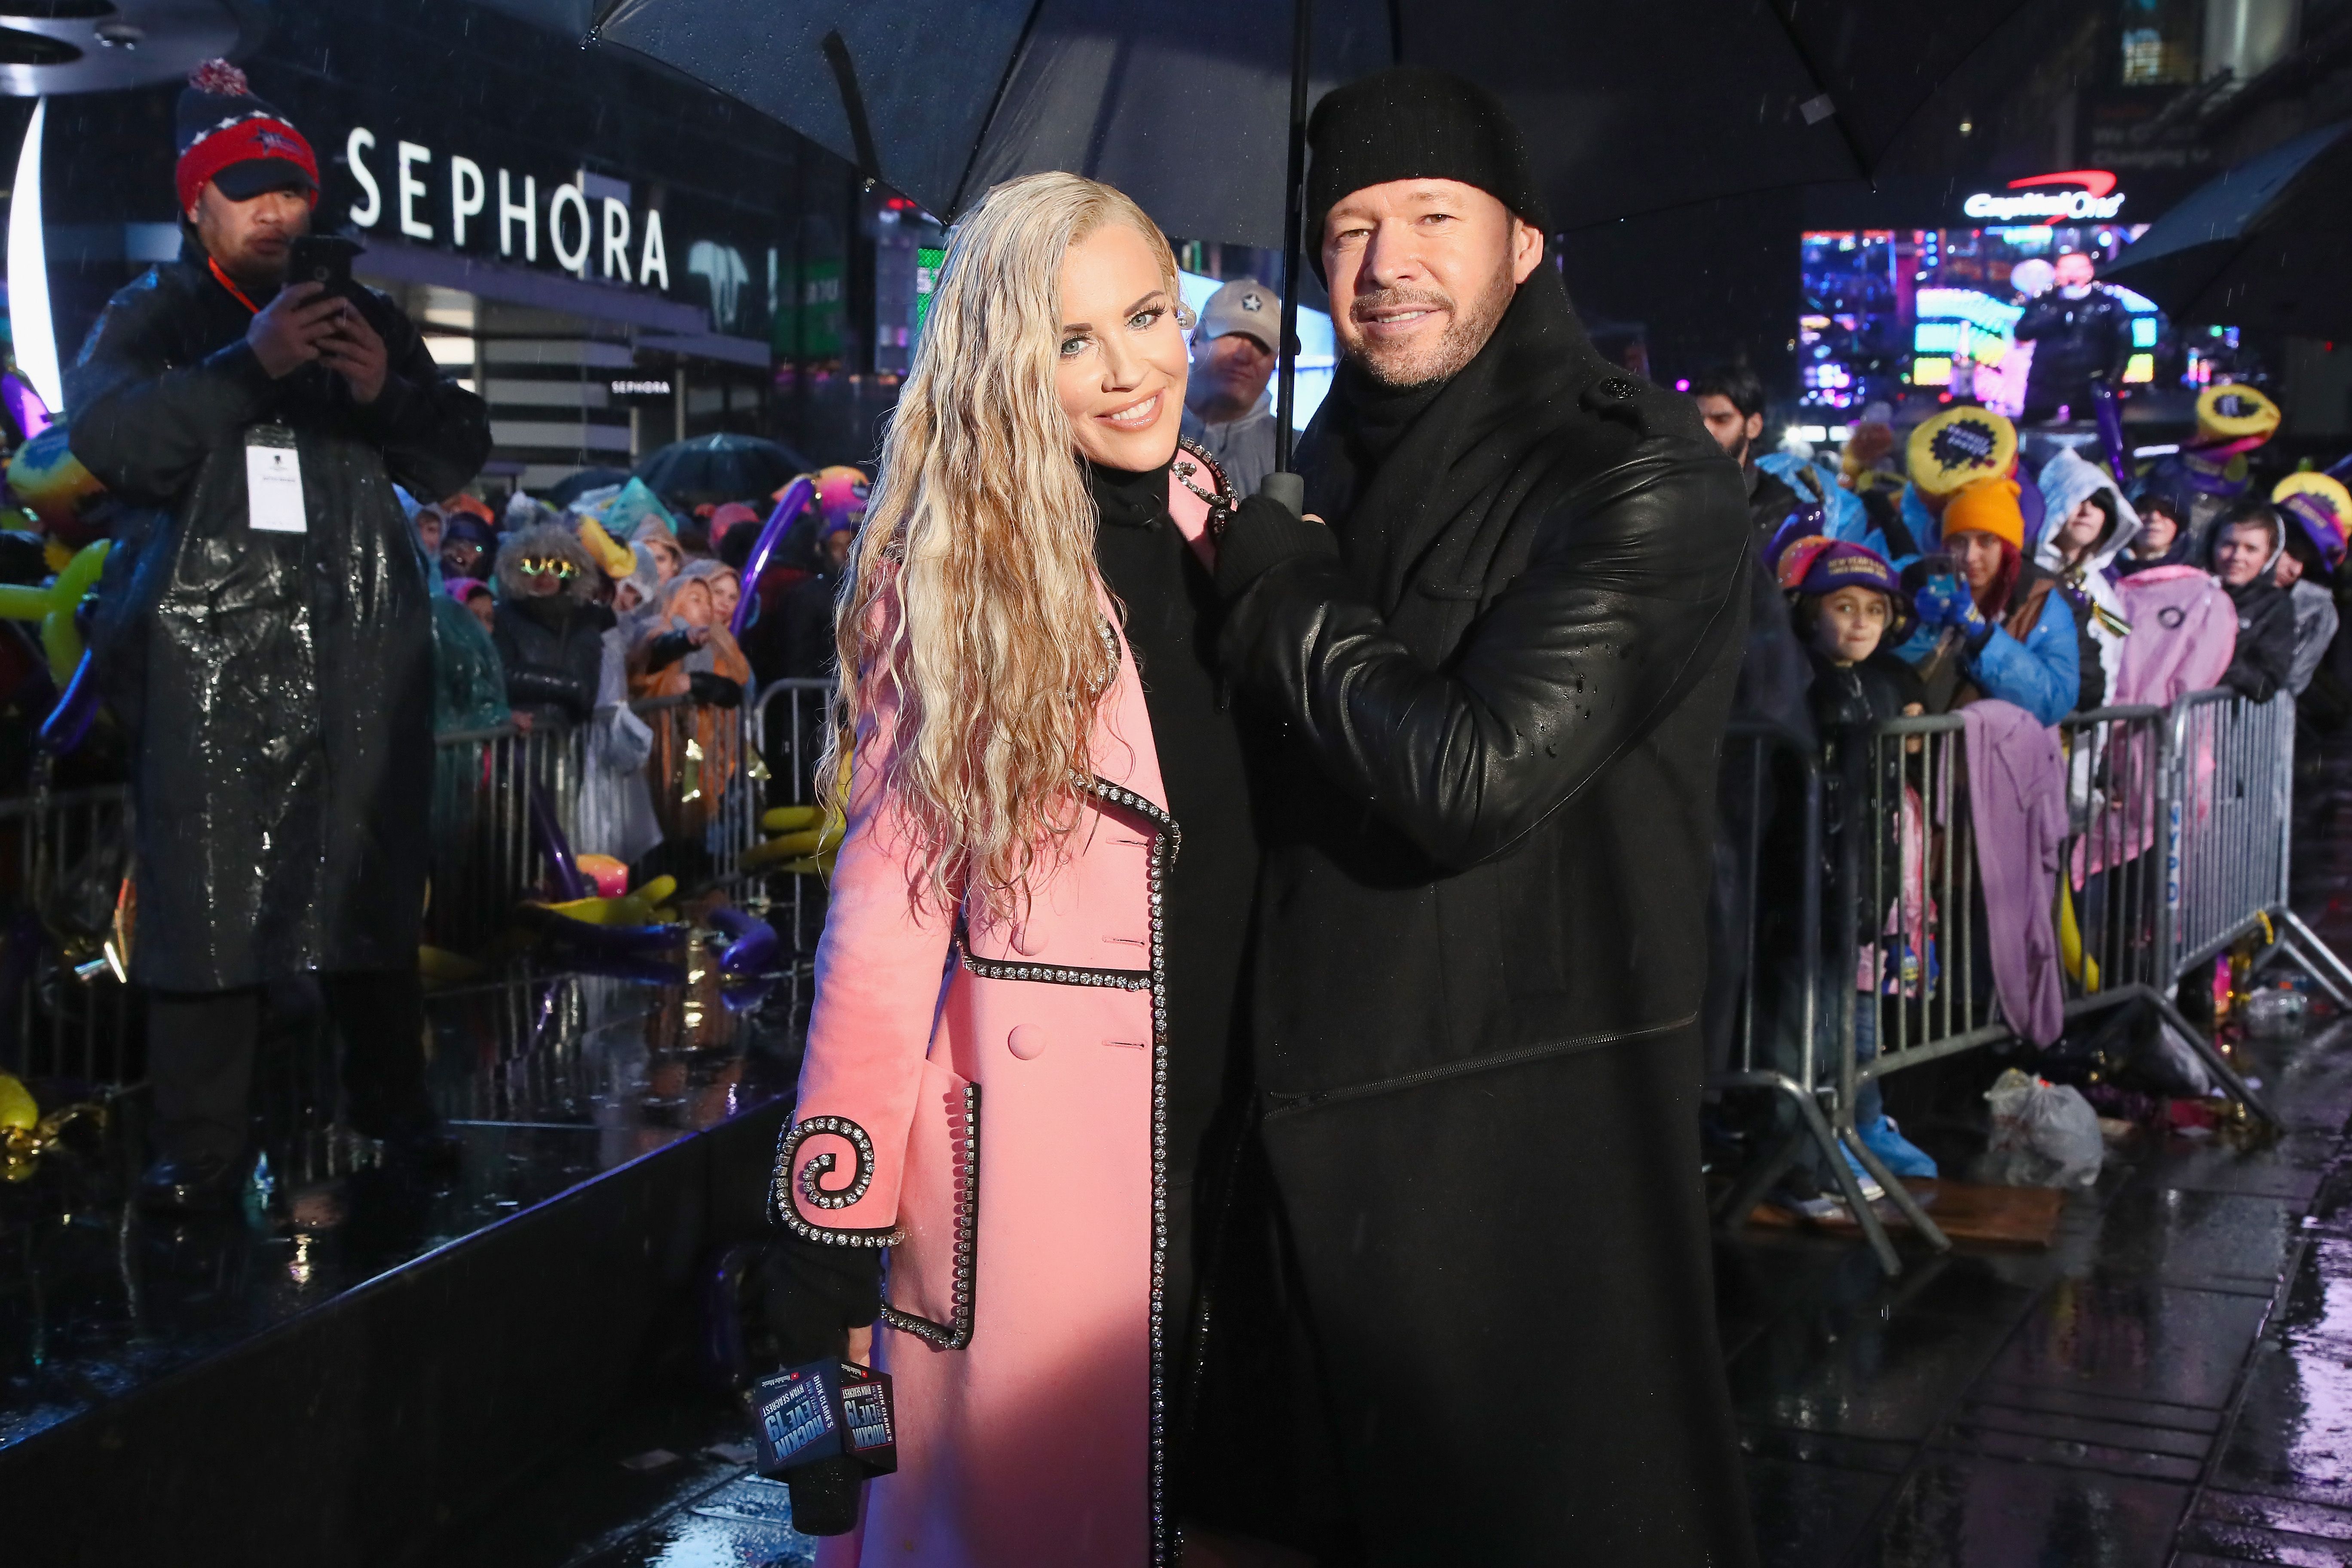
x,y
1026,988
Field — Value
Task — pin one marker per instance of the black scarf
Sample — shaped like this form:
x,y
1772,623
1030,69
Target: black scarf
x,y
1420,484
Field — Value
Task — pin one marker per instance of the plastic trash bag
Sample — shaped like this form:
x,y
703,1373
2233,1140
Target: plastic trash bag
x,y
2043,1134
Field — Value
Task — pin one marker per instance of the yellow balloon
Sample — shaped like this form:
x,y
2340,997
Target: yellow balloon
x,y
53,607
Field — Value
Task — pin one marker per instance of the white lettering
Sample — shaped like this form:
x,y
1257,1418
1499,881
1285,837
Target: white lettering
x,y
411,187
527,210
572,261
657,255
655,259
360,140
617,240
465,196
2076,206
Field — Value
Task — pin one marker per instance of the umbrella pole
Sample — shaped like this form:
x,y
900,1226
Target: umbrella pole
x,y
1294,218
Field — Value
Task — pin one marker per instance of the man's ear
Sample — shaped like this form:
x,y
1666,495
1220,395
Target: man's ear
x,y
1526,248
1755,427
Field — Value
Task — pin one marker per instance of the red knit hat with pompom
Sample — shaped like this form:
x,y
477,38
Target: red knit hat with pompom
x,y
238,143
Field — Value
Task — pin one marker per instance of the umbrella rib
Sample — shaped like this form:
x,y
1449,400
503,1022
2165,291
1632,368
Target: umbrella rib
x,y
995,104
853,102
1784,12
1951,73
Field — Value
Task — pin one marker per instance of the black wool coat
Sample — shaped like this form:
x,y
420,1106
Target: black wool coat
x,y
279,685
1481,955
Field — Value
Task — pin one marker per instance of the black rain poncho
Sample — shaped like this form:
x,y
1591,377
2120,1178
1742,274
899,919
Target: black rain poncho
x,y
278,686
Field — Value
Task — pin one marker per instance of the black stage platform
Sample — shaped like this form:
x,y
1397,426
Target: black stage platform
x,y
349,1369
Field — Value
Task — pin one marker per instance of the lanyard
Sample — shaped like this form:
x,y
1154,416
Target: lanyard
x,y
235,291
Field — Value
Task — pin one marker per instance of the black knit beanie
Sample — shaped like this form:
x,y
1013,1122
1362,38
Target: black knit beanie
x,y
1411,123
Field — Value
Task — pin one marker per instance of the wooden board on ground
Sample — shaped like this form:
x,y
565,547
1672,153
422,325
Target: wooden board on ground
x,y
1988,1216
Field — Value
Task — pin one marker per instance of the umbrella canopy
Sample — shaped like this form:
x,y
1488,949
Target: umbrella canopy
x,y
721,468
2262,245
571,487
1627,109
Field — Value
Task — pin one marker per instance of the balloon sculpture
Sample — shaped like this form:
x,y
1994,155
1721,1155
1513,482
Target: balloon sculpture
x,y
789,507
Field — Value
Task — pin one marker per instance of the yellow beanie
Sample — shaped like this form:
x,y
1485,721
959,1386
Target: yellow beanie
x,y
1988,506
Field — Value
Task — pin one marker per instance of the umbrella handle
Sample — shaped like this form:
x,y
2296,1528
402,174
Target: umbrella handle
x,y
1293,221
788,506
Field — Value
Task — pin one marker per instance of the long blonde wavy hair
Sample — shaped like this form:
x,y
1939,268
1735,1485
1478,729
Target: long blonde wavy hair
x,y
971,599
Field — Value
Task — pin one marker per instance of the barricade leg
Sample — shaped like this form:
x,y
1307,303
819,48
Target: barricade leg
x,y
2316,957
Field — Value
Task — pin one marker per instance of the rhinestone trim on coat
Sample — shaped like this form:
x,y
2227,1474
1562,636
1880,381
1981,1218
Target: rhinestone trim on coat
x,y
784,1210
1167,840
1165,845
956,1334
1190,457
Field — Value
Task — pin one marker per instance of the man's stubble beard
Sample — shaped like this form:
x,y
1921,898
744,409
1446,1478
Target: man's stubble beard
x,y
1465,335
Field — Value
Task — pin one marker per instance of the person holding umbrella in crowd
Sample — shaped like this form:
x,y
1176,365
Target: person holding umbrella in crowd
x,y
1504,667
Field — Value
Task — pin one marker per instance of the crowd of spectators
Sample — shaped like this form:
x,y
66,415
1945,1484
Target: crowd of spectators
x,y
1966,563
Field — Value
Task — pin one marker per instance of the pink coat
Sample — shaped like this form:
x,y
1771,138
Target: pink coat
x,y
2183,631
989,1111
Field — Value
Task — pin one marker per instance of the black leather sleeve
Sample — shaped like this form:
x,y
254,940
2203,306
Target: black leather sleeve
x,y
1627,599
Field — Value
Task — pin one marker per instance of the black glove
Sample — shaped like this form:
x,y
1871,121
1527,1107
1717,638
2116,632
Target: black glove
x,y
714,691
667,649
813,1294
1262,535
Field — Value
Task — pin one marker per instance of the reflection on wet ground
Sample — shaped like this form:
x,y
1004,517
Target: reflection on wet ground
x,y
547,1079
2167,1383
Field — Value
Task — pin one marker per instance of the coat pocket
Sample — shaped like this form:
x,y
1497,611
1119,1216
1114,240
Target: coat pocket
x,y
929,1292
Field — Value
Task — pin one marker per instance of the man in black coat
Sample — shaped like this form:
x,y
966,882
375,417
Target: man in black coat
x,y
1503,673
2079,330
269,644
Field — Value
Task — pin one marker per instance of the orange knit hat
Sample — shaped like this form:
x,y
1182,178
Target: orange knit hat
x,y
1988,506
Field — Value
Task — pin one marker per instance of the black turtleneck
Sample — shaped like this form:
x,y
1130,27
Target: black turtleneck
x,y
1172,616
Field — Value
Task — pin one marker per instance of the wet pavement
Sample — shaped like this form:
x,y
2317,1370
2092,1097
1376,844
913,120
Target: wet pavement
x,y
2168,1384
548,1080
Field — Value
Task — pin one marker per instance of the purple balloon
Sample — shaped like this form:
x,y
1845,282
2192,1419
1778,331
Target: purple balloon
x,y
68,722
789,507
24,405
570,882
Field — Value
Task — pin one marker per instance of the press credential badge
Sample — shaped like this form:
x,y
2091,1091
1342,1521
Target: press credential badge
x,y
273,480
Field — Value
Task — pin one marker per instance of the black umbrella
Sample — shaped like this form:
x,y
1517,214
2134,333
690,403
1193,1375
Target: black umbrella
x,y
2262,245
1199,112
721,468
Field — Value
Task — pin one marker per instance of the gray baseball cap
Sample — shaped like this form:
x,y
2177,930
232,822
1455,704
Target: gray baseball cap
x,y
1243,305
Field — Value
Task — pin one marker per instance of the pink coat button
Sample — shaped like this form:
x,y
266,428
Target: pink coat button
x,y
1027,1041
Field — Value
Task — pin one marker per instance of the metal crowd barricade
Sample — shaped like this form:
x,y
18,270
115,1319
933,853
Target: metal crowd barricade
x,y
2175,846
1772,798
789,719
707,776
483,858
2229,830
65,1009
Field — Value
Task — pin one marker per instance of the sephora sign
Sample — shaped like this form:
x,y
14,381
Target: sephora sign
x,y
585,225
